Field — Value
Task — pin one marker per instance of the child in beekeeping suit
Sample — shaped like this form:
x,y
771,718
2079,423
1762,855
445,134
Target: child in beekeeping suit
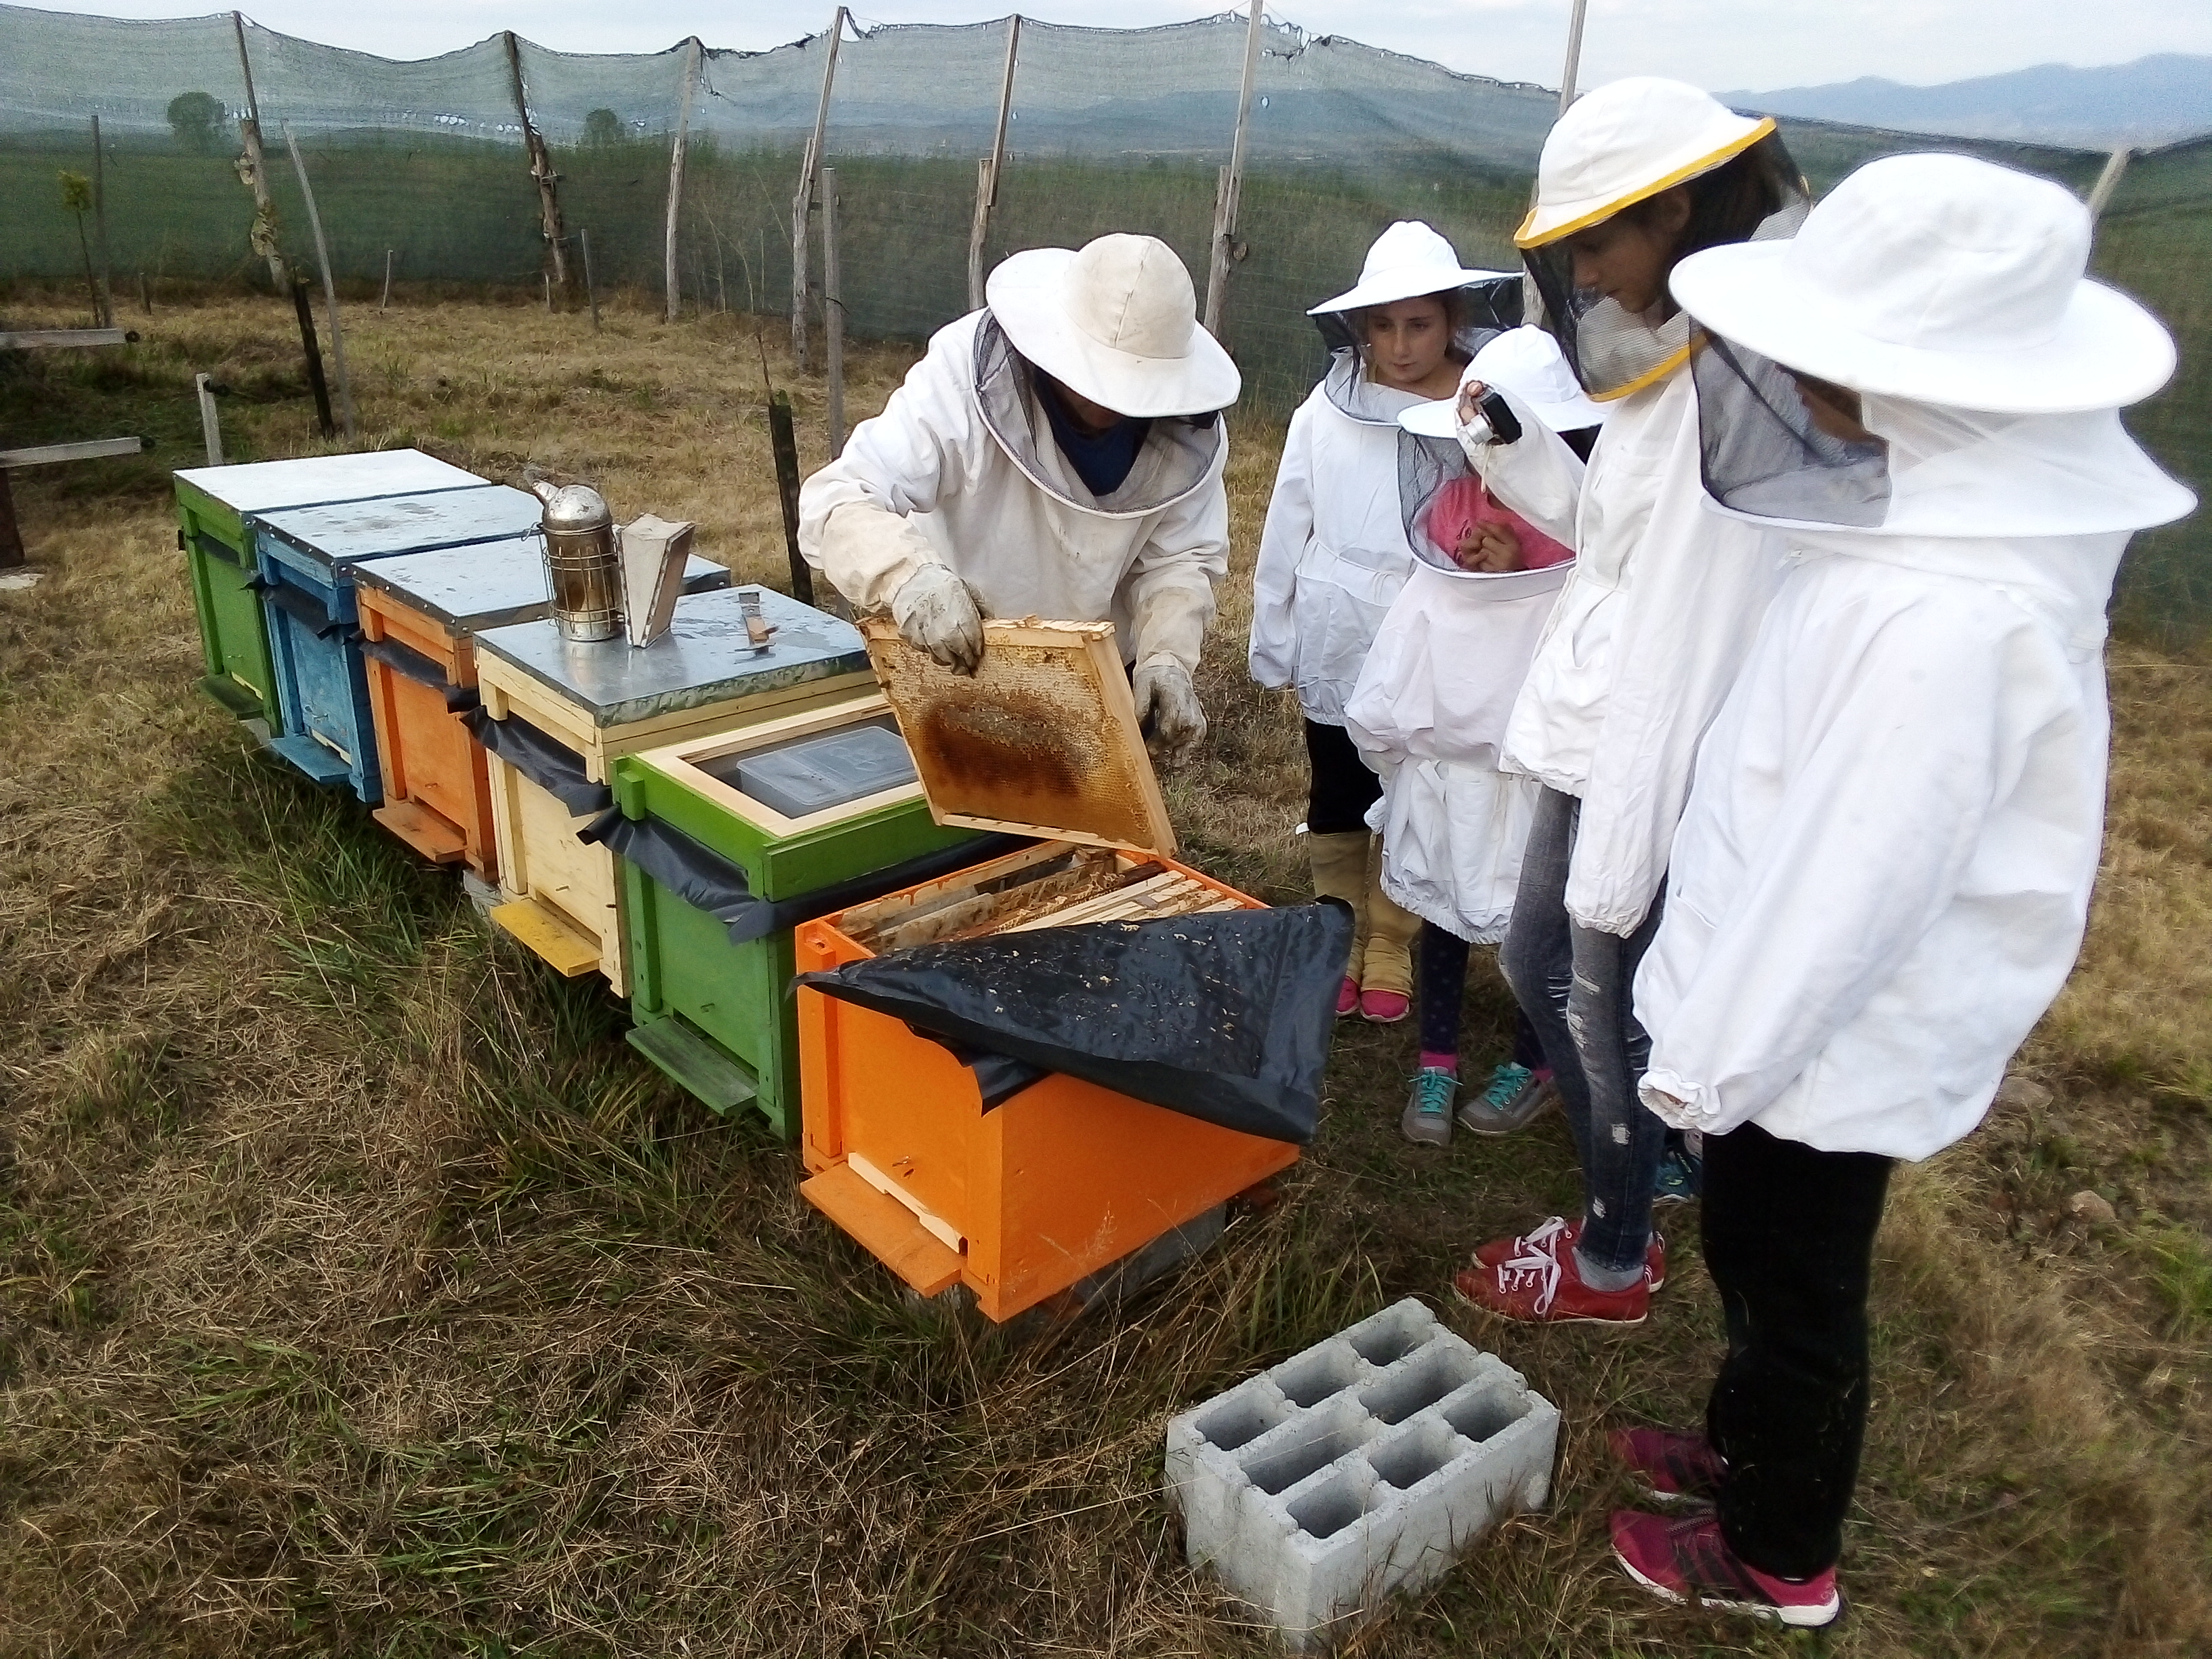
x,y
1429,715
1333,555
1643,643
1057,455
1883,872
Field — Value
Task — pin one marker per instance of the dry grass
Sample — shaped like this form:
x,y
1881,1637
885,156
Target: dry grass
x,y
360,1293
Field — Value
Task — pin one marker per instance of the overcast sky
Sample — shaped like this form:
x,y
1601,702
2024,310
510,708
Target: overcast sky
x,y
1760,44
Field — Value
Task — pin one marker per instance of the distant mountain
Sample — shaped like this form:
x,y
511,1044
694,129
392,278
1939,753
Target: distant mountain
x,y
2153,101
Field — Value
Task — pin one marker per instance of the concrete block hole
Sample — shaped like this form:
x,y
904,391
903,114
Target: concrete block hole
x,y
1412,1458
1427,1380
1485,1411
1282,1467
1331,1507
1239,1418
1312,1378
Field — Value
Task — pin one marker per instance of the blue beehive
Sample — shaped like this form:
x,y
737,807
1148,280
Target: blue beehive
x,y
306,558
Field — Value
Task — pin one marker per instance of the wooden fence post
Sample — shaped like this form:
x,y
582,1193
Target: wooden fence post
x,y
803,202
263,237
1567,75
316,383
386,298
210,423
1232,180
2101,194
674,279
541,174
590,286
330,287
784,444
99,224
988,173
833,313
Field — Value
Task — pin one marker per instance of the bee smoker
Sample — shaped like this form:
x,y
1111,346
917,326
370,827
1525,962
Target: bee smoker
x,y
583,566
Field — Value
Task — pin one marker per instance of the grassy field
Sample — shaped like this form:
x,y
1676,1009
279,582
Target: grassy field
x,y
362,1293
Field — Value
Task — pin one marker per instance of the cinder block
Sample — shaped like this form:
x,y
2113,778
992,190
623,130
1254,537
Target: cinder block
x,y
1365,1466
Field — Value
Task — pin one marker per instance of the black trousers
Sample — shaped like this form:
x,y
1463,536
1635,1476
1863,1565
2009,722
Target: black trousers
x,y
1343,788
1441,981
1788,1237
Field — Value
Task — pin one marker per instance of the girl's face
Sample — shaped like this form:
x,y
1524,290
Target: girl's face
x,y
1625,258
1407,340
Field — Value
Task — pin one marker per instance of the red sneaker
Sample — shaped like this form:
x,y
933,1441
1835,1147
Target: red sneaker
x,y
1558,1234
1542,1286
1688,1560
1384,1007
1675,1466
1347,998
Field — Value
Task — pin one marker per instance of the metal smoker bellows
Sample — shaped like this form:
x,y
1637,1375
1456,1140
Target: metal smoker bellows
x,y
582,566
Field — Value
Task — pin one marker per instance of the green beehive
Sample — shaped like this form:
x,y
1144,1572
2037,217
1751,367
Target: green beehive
x,y
725,844
213,504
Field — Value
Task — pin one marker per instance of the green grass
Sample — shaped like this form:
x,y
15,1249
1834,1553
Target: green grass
x,y
362,1293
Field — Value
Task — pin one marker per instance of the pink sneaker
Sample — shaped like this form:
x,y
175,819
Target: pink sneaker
x,y
1676,1467
1384,1007
1347,998
1688,1560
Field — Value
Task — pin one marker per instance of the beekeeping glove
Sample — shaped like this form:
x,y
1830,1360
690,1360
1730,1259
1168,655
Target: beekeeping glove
x,y
1168,710
936,613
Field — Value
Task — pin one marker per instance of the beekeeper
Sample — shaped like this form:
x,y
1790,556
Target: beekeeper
x,y
1057,455
1884,869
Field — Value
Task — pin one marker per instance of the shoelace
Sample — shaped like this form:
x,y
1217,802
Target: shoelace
x,y
1537,1266
1433,1092
1506,1083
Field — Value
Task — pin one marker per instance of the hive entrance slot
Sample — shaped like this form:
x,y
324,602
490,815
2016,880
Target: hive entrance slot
x,y
1421,1383
1483,1414
1284,1467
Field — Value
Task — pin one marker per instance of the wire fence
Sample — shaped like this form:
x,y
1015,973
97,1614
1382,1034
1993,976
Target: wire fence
x,y
425,163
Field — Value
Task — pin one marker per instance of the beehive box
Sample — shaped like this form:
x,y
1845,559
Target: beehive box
x,y
1027,1199
420,613
590,704
307,556
212,505
717,1015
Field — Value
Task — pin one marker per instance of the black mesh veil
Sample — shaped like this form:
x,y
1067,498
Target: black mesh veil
x,y
1756,195
1425,466
1776,447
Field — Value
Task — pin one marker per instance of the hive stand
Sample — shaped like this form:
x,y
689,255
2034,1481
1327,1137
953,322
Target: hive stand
x,y
718,1017
1365,1466
420,613
307,556
600,701
212,505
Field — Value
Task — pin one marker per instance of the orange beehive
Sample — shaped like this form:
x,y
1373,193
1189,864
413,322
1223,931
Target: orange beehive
x,y
1065,1178
419,617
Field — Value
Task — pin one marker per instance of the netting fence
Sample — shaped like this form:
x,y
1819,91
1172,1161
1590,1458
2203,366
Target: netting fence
x,y
1107,129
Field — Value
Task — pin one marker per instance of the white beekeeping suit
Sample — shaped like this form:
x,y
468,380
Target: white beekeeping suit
x,y
1883,874
1431,709
1663,601
960,500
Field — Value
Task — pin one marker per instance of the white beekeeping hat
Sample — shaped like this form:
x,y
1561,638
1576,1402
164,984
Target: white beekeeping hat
x,y
1942,279
1407,261
1116,322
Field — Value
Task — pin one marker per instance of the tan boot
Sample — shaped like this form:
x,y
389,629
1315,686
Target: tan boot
x,y
1386,970
1340,872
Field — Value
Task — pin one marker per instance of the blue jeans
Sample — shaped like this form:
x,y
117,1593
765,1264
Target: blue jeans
x,y
1576,985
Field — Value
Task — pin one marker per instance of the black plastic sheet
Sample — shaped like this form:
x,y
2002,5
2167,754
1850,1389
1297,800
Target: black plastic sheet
x,y
309,613
411,664
1225,1017
552,766
703,878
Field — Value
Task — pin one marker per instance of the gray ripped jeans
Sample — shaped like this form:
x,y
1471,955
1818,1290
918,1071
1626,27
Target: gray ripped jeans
x,y
1575,985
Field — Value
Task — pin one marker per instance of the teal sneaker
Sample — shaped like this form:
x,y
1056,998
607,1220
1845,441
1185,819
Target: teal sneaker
x,y
1515,1096
1427,1119
1681,1178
